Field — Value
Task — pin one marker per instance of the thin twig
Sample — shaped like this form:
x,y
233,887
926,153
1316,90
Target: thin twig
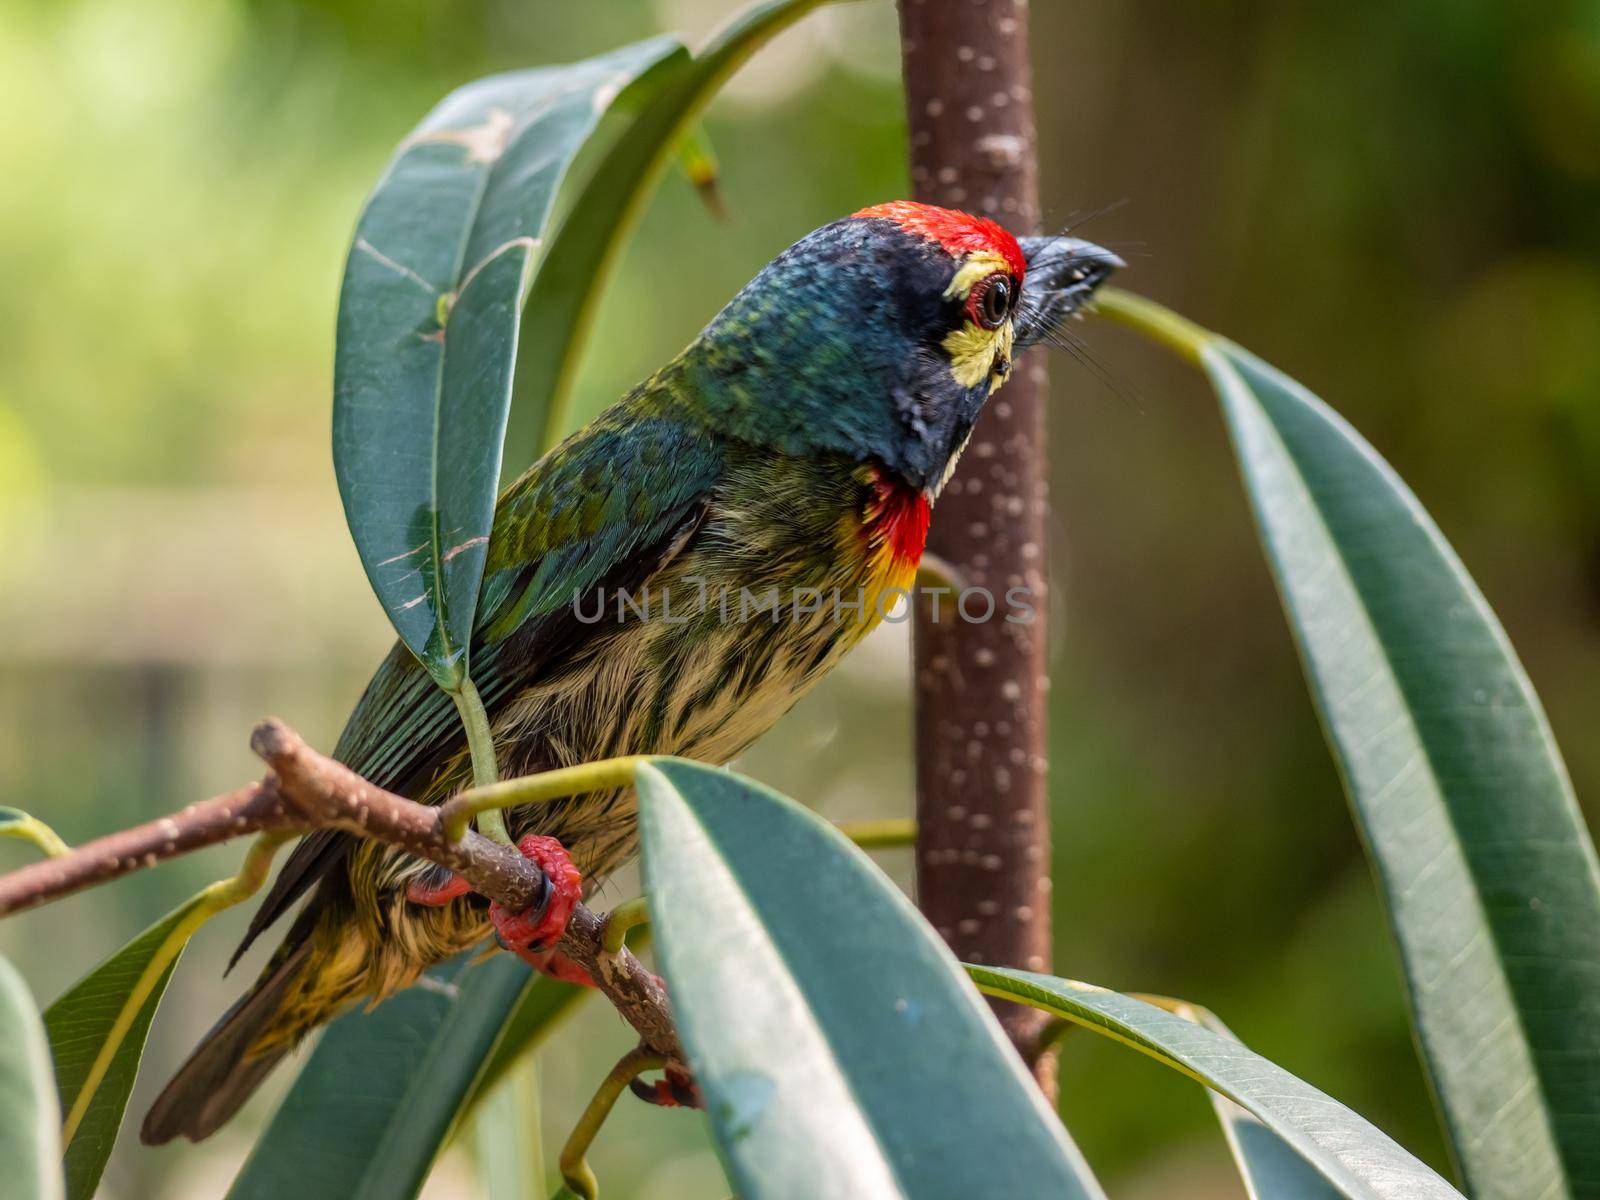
x,y
636,993
305,791
328,794
255,808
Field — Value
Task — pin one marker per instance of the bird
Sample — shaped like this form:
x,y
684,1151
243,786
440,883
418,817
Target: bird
x,y
796,448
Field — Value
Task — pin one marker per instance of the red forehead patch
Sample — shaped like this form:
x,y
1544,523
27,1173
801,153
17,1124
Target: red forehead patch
x,y
958,232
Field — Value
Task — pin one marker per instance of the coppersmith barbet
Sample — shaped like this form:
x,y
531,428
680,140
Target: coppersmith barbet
x,y
798,443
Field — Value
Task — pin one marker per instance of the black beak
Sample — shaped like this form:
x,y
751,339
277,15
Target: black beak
x,y
1063,273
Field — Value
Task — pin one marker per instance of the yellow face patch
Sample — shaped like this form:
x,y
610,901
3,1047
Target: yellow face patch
x,y
979,265
974,350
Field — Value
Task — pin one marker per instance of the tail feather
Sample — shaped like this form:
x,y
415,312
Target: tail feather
x,y
337,953
222,1073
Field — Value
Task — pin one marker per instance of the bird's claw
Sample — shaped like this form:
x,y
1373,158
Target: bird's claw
x,y
533,930
677,1090
423,891
532,934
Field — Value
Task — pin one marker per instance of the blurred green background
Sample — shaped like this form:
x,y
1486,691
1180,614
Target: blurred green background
x,y
1394,202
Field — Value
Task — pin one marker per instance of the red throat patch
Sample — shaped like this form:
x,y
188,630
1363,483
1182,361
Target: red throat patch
x,y
958,232
898,521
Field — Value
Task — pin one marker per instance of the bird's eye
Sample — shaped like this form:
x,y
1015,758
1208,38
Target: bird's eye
x,y
989,302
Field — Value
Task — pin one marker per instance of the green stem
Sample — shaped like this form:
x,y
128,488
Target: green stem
x,y
628,915
225,893
603,776
1178,334
485,772
699,164
880,835
574,1166
30,829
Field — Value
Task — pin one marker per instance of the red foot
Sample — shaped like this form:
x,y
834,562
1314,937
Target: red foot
x,y
677,1090
532,938
437,895
558,966
522,931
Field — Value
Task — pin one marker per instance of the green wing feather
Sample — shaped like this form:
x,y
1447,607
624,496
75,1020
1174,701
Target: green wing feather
x,y
606,496
606,506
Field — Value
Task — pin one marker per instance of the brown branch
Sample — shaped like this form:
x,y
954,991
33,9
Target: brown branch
x,y
983,843
306,790
329,795
636,993
254,808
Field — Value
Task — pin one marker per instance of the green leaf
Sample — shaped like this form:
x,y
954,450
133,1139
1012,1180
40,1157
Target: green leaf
x,y
583,253
1360,1161
510,1155
427,333
1270,1167
1488,873
30,1139
1268,1164
98,1028
541,1007
100,1007
840,1049
372,1108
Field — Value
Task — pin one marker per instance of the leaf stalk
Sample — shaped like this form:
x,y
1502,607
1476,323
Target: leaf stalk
x,y
575,1169
485,770
604,775
1156,322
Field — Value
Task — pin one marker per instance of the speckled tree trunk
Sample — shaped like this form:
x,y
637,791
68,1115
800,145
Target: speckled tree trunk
x,y
983,847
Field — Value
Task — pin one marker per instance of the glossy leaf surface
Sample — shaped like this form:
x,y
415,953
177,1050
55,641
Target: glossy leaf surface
x,y
1270,1167
427,334
370,1111
540,1008
79,1024
840,1048
1357,1158
1487,870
